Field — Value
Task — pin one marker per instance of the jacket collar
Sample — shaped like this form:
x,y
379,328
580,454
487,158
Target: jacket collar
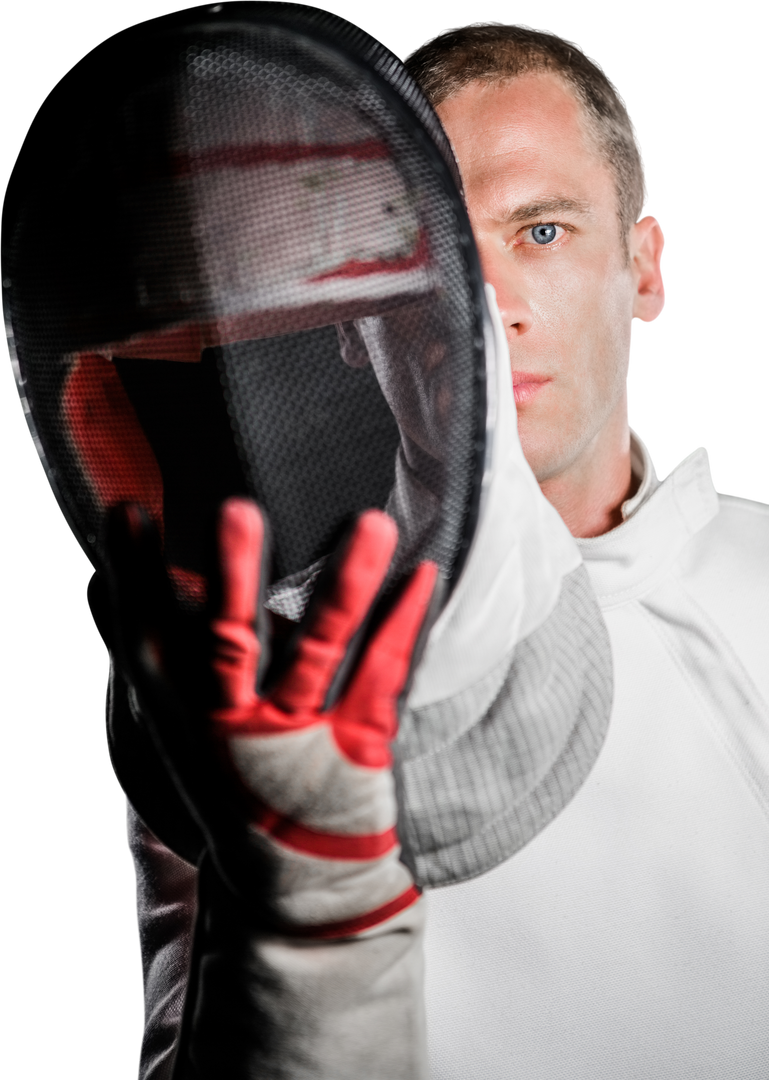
x,y
659,520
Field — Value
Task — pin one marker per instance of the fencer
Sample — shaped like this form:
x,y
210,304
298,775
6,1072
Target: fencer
x,y
579,923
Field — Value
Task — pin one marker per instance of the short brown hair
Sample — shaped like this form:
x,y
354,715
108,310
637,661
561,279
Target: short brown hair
x,y
494,52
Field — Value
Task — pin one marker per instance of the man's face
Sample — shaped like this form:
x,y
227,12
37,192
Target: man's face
x,y
543,207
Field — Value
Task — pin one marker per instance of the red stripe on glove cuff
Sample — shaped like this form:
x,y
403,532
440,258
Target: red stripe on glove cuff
x,y
322,844
348,927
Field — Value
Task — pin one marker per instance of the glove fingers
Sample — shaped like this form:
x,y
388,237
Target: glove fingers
x,y
393,646
240,534
240,537
355,586
366,720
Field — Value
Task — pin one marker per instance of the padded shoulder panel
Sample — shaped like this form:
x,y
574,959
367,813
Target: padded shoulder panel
x,y
473,801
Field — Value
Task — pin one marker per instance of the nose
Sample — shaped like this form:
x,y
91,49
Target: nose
x,y
510,288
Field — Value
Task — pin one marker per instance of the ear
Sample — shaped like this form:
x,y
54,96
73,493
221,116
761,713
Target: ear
x,y
646,243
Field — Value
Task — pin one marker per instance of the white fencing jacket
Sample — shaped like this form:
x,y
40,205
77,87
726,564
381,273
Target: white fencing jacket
x,y
630,938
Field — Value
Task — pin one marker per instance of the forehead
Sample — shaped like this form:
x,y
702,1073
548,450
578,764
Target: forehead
x,y
529,133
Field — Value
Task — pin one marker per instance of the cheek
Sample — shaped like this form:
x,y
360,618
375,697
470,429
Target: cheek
x,y
561,297
615,310
582,313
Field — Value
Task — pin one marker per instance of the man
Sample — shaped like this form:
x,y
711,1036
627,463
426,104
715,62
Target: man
x,y
629,938
509,1049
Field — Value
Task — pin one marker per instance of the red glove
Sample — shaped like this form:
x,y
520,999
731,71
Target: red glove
x,y
317,781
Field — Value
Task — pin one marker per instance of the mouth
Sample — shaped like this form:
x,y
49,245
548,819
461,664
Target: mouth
x,y
526,386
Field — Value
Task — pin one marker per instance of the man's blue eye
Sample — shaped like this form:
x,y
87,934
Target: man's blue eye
x,y
543,234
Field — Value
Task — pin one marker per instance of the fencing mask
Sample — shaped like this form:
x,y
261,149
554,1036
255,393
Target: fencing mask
x,y
237,260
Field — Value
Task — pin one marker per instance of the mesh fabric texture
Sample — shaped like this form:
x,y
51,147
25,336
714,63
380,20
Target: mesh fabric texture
x,y
244,266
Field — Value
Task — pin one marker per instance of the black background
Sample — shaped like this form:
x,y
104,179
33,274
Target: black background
x,y
697,378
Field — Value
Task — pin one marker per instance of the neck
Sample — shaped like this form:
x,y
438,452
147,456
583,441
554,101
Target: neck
x,y
589,493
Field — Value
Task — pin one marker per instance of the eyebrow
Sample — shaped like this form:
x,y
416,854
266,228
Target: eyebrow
x,y
545,207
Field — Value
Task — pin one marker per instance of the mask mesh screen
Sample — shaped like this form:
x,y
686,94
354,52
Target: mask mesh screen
x,y
243,267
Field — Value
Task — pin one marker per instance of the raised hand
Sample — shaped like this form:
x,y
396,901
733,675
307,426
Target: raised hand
x,y
317,780
292,788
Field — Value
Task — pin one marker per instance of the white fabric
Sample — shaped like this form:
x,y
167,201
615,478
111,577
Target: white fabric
x,y
520,554
643,474
630,939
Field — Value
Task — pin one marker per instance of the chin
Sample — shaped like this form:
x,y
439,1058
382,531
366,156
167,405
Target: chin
x,y
541,447
550,450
